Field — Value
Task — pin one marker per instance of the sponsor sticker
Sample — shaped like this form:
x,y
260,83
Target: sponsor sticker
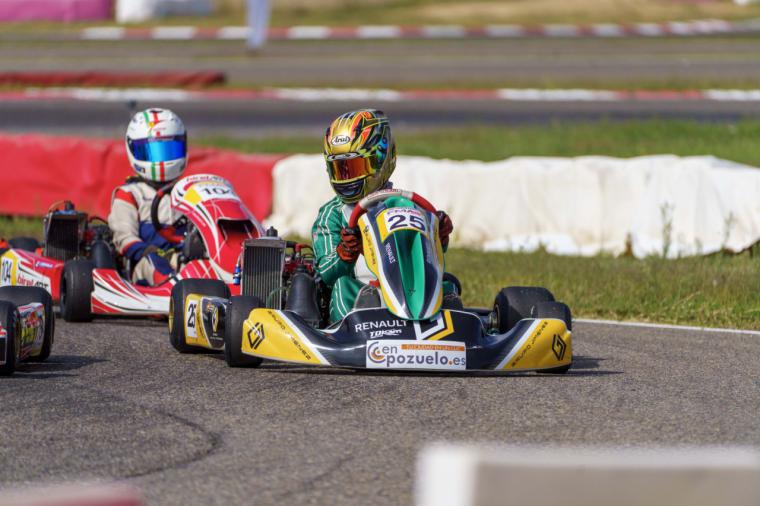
x,y
339,140
398,354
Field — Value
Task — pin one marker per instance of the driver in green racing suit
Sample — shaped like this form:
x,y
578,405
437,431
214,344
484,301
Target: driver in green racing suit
x,y
360,153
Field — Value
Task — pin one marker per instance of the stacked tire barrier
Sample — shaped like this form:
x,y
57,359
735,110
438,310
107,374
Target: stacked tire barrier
x,y
652,205
660,205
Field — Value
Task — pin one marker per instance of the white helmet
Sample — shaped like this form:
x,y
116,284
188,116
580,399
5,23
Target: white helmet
x,y
157,145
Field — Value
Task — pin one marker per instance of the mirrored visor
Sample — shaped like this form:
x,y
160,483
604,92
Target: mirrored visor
x,y
159,149
346,169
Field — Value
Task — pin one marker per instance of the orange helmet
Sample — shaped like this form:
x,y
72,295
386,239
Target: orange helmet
x,y
360,153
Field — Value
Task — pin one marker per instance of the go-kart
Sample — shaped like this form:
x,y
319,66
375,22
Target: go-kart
x,y
78,267
26,326
403,324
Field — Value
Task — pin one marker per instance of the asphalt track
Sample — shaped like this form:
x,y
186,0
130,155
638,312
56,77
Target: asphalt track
x,y
422,63
116,402
265,118
440,63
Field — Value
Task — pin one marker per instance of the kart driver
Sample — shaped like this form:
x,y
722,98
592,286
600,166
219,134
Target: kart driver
x,y
157,149
360,153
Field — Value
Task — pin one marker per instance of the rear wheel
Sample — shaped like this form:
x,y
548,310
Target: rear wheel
x,y
237,312
515,303
559,311
76,291
8,321
22,295
180,292
24,243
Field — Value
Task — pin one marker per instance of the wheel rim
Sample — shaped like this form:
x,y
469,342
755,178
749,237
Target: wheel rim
x,y
171,315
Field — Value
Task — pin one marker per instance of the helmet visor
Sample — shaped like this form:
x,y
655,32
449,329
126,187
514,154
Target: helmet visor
x,y
159,149
343,168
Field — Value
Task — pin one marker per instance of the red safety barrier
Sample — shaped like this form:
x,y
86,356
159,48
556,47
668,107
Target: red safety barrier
x,y
37,170
177,79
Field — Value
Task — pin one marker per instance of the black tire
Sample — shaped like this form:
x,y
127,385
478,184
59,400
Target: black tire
x,y
8,318
515,303
561,312
556,310
76,291
447,276
237,312
21,295
24,243
180,291
101,256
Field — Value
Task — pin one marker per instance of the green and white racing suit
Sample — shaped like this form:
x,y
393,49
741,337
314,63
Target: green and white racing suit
x,y
345,279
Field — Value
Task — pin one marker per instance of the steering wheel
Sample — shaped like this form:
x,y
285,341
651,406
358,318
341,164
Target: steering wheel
x,y
379,196
160,194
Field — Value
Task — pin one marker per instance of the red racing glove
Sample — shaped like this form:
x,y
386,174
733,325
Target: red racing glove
x,y
350,246
445,227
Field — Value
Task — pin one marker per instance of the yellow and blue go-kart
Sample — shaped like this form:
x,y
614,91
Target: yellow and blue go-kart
x,y
405,323
26,326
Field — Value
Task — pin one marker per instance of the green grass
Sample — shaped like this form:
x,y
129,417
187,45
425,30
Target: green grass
x,y
16,226
719,290
733,141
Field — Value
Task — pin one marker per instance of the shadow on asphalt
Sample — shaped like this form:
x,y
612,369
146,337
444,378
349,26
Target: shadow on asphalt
x,y
582,366
54,367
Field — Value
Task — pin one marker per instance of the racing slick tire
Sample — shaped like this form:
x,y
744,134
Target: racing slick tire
x,y
447,276
21,295
76,291
24,243
515,303
237,312
101,256
180,291
8,319
559,311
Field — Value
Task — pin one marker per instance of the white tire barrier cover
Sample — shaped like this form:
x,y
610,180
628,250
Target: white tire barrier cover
x,y
450,475
650,205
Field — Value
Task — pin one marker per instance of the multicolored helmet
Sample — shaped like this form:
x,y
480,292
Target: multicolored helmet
x,y
157,145
360,153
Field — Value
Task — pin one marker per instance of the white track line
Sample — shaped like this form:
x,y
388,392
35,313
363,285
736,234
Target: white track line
x,y
669,327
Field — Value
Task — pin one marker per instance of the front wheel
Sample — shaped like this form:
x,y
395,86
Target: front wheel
x,y
22,295
515,303
180,292
237,312
9,326
76,291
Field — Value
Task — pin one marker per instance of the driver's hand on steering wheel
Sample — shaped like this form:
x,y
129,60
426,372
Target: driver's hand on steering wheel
x,y
169,254
350,246
445,227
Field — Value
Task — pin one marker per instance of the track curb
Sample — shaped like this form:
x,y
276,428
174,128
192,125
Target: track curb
x,y
688,28
175,95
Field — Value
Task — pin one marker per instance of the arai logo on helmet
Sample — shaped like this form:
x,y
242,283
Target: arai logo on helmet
x,y
339,140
